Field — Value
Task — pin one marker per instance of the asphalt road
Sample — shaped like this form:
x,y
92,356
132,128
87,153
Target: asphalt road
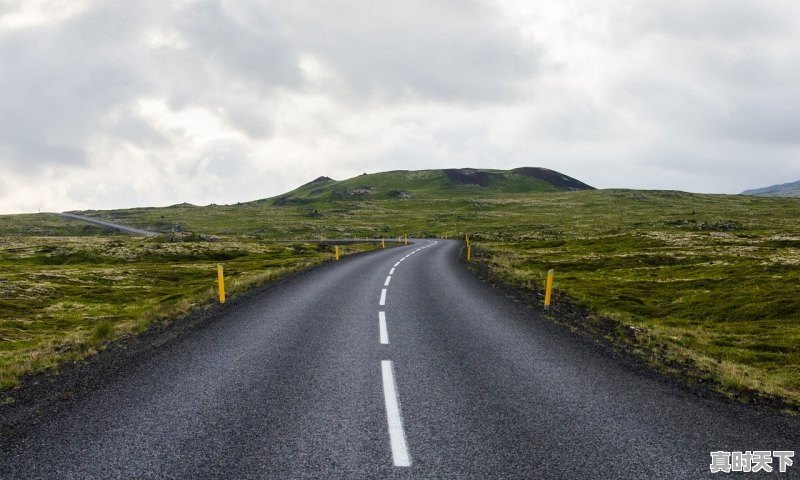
x,y
300,383
103,223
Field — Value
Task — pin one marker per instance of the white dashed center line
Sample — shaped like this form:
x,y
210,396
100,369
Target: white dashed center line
x,y
384,332
397,436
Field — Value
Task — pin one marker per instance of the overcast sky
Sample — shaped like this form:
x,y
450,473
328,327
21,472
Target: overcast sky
x,y
113,104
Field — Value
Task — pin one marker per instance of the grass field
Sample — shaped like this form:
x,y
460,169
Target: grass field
x,y
63,297
709,279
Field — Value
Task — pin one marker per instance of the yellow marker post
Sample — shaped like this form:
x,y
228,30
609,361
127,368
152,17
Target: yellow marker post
x,y
383,243
466,239
336,251
469,253
548,294
221,283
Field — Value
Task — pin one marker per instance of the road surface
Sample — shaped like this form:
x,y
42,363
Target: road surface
x,y
103,223
397,363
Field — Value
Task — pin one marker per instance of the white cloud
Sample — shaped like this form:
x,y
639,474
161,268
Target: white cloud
x,y
115,104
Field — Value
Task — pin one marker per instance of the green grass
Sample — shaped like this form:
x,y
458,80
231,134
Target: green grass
x,y
711,279
420,184
63,298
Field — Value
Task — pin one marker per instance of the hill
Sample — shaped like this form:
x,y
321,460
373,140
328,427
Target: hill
x,y
669,276
783,190
427,184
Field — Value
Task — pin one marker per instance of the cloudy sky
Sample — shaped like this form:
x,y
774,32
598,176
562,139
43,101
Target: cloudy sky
x,y
113,104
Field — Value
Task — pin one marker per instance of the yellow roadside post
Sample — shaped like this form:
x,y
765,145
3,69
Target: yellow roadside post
x,y
336,251
383,243
221,283
469,248
548,294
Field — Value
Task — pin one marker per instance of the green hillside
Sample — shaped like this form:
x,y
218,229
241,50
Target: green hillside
x,y
783,190
428,184
704,287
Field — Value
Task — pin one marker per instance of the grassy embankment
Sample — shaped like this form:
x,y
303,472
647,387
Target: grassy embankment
x,y
66,289
708,280
712,281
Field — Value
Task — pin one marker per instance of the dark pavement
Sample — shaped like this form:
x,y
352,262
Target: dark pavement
x,y
289,384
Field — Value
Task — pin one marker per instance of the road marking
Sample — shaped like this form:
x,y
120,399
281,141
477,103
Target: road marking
x,y
391,272
383,330
397,436
396,264
388,279
383,297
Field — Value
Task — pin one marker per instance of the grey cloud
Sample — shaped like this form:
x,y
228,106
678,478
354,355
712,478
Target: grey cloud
x,y
58,84
711,19
254,55
219,160
700,109
714,70
70,81
701,74
445,51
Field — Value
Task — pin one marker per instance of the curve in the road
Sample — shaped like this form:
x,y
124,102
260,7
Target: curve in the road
x,y
298,382
397,437
103,223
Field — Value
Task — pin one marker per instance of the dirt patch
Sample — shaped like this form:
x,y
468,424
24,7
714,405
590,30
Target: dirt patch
x,y
554,178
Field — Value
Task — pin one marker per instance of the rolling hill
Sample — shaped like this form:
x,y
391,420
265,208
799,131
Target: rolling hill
x,y
783,190
427,184
669,274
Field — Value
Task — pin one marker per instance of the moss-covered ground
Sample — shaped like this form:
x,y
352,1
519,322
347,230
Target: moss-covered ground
x,y
714,279
63,297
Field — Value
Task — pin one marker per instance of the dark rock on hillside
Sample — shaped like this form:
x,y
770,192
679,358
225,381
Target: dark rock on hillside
x,y
318,181
401,194
554,178
360,190
286,201
357,193
468,176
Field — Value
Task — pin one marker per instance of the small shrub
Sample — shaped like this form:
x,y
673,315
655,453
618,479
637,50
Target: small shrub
x,y
102,330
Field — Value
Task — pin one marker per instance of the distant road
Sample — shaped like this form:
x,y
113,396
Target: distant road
x,y
397,363
115,226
